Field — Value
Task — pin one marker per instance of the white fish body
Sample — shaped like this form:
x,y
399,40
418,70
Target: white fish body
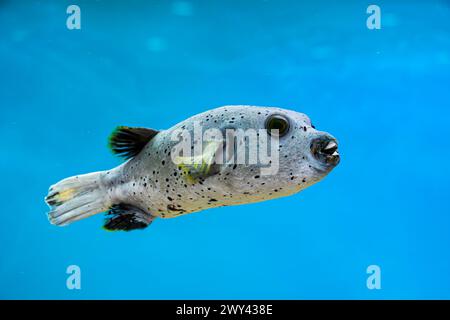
x,y
160,181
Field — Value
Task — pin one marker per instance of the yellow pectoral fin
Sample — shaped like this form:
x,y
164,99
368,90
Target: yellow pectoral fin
x,y
199,166
189,168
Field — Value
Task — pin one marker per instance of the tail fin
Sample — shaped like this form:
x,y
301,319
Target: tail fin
x,y
76,198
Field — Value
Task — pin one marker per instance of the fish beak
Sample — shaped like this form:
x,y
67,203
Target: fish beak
x,y
325,150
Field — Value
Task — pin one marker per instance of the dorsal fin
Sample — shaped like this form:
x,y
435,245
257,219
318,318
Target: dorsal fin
x,y
127,142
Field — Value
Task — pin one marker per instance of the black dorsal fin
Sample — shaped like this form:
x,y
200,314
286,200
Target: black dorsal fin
x,y
127,142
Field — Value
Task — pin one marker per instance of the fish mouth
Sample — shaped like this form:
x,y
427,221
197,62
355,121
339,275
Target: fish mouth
x,y
325,150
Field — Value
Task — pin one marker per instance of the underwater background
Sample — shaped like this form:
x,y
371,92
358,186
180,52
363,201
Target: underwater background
x,y
383,93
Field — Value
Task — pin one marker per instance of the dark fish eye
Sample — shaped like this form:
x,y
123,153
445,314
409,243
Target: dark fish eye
x,y
277,122
312,126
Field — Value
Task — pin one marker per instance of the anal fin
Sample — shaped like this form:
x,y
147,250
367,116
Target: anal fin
x,y
126,217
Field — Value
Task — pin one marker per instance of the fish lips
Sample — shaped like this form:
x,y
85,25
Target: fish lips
x,y
325,150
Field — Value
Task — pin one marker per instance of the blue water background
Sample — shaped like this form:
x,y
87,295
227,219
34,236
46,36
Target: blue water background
x,y
383,93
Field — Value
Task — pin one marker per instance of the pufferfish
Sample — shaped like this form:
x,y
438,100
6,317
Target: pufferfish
x,y
150,184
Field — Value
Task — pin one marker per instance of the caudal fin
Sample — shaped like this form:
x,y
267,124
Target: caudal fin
x,y
76,198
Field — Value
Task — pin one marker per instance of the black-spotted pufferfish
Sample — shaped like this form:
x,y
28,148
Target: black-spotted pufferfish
x,y
156,182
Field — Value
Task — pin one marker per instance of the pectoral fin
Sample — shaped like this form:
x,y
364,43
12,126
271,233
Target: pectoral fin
x,y
204,165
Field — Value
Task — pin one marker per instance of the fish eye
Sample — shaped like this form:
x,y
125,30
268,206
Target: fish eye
x,y
277,122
